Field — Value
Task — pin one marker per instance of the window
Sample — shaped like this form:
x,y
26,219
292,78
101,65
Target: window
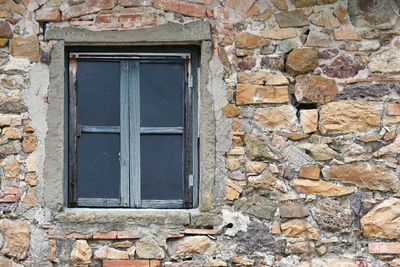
x,y
132,137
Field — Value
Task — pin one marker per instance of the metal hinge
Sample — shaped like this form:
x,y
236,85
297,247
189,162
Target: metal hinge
x,y
190,81
191,180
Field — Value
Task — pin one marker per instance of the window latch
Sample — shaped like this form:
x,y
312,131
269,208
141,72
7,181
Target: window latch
x,y
191,180
78,130
190,81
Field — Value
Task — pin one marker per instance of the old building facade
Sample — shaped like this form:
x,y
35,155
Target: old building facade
x,y
296,114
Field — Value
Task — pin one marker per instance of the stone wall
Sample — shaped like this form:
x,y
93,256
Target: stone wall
x,y
306,100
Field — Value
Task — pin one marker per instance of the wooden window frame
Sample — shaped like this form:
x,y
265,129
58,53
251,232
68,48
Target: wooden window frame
x,y
130,195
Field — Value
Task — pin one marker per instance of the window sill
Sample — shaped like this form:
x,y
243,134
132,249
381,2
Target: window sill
x,y
134,216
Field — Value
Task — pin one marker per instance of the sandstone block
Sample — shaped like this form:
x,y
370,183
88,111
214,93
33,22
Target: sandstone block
x,y
309,172
325,19
248,40
106,252
48,14
259,149
279,34
295,18
25,47
302,61
276,117
347,34
321,188
29,143
262,78
382,221
349,116
309,120
315,89
11,169
299,228
293,211
81,253
280,4
87,7
255,94
192,245
230,111
5,30
385,61
148,248
16,236
12,133
363,175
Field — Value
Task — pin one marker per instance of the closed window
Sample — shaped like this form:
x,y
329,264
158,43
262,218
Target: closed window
x,y
132,129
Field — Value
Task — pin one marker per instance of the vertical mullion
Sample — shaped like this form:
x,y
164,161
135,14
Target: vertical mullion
x,y
134,130
188,167
195,134
72,140
124,133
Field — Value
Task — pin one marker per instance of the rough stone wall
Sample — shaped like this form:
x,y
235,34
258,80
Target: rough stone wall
x,y
306,97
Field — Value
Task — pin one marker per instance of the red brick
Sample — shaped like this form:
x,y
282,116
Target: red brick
x,y
182,7
11,191
384,248
107,235
125,235
189,231
393,109
52,235
75,235
155,263
126,263
48,14
87,7
9,199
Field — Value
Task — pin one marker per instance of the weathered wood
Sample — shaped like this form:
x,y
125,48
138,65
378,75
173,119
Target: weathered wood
x,y
72,141
188,138
124,130
161,130
134,130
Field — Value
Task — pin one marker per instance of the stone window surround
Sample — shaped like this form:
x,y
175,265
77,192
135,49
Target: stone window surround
x,y
198,33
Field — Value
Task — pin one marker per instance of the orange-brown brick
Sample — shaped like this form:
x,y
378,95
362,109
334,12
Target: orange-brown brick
x,y
182,7
131,263
393,109
384,248
310,172
107,235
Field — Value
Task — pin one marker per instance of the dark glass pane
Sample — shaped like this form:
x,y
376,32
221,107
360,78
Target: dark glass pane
x,y
98,93
98,166
161,166
161,94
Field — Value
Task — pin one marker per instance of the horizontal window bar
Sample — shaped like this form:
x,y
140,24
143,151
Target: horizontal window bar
x,y
161,130
100,129
99,202
166,204
127,55
143,130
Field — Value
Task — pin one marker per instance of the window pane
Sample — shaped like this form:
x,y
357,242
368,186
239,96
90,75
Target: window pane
x,y
98,93
161,166
161,94
98,166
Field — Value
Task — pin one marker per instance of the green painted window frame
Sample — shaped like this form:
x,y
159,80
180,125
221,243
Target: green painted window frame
x,y
130,196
